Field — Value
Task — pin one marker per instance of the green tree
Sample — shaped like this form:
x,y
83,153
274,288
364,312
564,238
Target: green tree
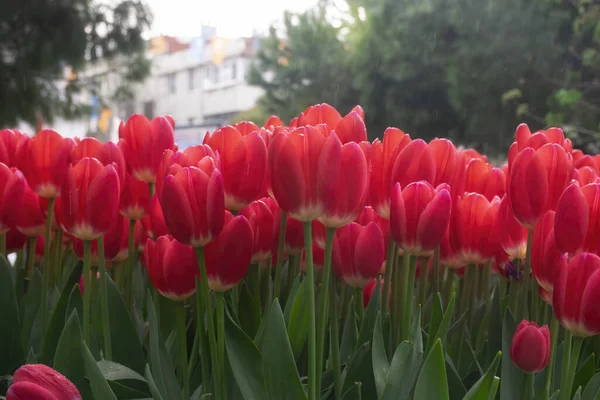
x,y
39,38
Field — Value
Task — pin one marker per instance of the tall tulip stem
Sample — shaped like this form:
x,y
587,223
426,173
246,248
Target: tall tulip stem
x,y
220,308
565,386
3,244
524,293
104,301
399,289
359,306
448,285
204,351
550,368
131,259
46,271
435,273
323,299
423,272
183,356
209,320
528,387
280,255
312,329
87,289
409,298
30,257
335,340
389,266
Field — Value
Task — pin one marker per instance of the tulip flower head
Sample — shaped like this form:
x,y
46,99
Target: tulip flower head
x,y
40,382
530,347
12,191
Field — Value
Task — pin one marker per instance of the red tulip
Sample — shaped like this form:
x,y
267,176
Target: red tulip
x,y
525,139
351,128
512,235
143,144
273,122
585,175
577,222
319,114
450,254
135,199
193,205
530,347
483,178
471,154
40,382
546,258
15,241
358,253
319,234
90,199
419,216
262,222
369,215
82,281
383,157
368,292
246,127
107,153
358,109
44,160
243,162
446,161
116,242
472,224
172,267
577,293
12,191
9,139
32,217
294,231
342,182
414,163
201,156
537,179
226,268
157,219
318,258
295,164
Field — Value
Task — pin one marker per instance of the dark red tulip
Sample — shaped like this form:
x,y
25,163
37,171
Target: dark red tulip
x,y
201,156
90,199
40,382
116,242
12,191
546,258
143,143
525,139
157,219
135,199
262,222
530,347
318,258
512,235
15,241
32,217
368,292
485,179
193,205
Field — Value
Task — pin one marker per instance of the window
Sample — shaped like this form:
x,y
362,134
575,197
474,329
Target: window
x,y
233,71
171,83
128,110
213,73
149,109
192,79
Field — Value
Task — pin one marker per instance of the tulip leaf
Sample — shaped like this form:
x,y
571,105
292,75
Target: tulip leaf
x,y
381,364
401,375
585,372
437,314
278,360
349,335
354,393
511,383
482,388
368,324
299,319
360,369
30,305
100,387
441,329
112,371
455,385
432,382
56,324
151,384
68,358
495,385
495,329
125,382
10,332
577,394
592,389
250,314
287,310
244,359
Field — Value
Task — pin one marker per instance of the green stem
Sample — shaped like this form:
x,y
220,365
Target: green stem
x,y
204,351
56,259
535,300
565,386
408,308
130,264
448,285
104,301
3,244
323,299
387,282
513,295
435,281
484,286
209,320
220,308
335,340
46,271
399,290
280,255
423,272
87,289
528,387
524,293
183,356
292,273
194,354
30,257
359,307
575,350
253,280
312,334
550,368
151,187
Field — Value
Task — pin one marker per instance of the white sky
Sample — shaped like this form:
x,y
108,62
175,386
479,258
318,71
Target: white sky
x,y
233,18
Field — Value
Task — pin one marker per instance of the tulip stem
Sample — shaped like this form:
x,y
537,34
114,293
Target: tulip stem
x,y
30,257
204,352
535,297
130,264
408,308
399,289
323,299
194,354
151,187
291,274
359,307
435,273
528,387
423,272
312,331
280,256
182,339
524,294
209,320
448,286
565,387
334,340
46,271
387,282
87,289
550,368
220,308
104,301
3,244
55,251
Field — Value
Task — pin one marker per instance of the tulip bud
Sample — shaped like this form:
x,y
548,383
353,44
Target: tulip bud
x,y
530,347
40,382
12,190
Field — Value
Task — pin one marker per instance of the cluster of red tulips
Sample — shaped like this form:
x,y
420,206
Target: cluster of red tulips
x,y
400,220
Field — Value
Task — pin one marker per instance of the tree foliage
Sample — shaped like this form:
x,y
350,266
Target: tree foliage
x,y
39,38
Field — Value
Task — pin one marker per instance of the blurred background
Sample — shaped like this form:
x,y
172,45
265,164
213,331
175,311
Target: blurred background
x,y
470,70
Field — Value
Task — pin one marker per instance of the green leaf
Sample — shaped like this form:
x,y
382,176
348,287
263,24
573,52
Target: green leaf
x,y
56,325
250,314
495,329
585,372
482,388
297,327
568,97
442,327
278,360
577,394
161,367
30,304
354,393
592,389
402,374
10,332
245,360
288,302
554,118
455,385
100,387
381,364
349,335
437,313
69,355
522,109
368,324
112,371
511,383
510,95
495,385
432,382
151,384
360,369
